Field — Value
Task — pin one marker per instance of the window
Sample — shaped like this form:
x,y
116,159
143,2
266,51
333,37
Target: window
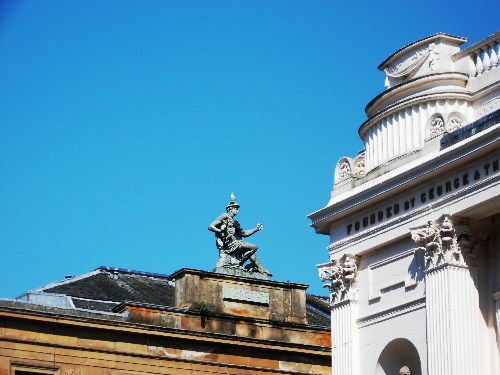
x,y
26,369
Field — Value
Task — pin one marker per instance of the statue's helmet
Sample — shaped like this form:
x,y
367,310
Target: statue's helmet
x,y
232,203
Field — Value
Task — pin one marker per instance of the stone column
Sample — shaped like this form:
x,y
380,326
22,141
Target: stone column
x,y
452,299
341,278
496,297
452,320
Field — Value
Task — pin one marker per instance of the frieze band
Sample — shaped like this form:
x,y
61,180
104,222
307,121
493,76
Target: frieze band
x,y
434,192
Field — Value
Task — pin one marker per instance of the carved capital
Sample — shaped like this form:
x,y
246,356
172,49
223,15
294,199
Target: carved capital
x,y
340,277
443,241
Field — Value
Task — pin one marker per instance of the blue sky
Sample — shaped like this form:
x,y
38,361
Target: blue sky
x,y
125,125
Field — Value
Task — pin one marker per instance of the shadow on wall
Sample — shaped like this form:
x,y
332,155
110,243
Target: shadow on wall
x,y
397,354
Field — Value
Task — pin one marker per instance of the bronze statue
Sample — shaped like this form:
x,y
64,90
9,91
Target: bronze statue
x,y
233,251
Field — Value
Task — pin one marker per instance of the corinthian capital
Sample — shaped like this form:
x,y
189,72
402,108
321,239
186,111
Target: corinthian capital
x,y
340,277
443,241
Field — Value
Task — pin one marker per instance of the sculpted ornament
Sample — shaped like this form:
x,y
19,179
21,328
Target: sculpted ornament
x,y
340,277
454,123
429,237
447,242
408,64
437,126
359,166
233,251
344,169
433,56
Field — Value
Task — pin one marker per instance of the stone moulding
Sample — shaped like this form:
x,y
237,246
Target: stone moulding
x,y
424,90
240,272
391,312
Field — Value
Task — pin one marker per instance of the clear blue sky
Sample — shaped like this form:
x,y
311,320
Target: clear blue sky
x,y
125,125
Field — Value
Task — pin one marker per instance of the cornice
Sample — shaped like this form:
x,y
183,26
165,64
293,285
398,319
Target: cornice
x,y
222,317
398,179
57,318
416,83
440,35
410,216
214,275
392,312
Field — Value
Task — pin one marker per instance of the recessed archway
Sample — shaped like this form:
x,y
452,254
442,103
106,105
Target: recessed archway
x,y
396,354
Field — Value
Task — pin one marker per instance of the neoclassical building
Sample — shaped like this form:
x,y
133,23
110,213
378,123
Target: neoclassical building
x,y
414,219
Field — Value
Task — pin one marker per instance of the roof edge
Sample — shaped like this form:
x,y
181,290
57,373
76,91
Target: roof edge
x,y
455,38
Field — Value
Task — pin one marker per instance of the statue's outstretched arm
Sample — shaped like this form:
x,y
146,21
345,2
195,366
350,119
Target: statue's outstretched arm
x,y
249,232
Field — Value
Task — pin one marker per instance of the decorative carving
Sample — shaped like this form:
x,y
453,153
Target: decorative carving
x,y
359,166
436,126
341,278
344,169
433,56
73,371
454,123
233,251
447,242
429,237
408,65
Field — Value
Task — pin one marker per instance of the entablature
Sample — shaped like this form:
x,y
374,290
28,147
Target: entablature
x,y
408,177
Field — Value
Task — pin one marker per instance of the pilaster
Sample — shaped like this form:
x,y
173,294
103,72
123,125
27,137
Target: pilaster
x,y
341,277
344,338
452,298
452,308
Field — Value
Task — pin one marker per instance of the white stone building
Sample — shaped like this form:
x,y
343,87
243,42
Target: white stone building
x,y
414,219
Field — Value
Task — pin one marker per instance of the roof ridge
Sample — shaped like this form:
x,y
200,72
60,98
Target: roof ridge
x,y
63,282
133,272
94,300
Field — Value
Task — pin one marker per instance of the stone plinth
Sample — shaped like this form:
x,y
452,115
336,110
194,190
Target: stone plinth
x,y
240,296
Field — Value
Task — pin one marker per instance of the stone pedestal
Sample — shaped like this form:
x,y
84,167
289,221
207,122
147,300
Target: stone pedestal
x,y
240,296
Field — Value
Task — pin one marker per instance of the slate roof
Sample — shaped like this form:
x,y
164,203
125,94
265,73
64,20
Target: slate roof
x,y
318,310
106,287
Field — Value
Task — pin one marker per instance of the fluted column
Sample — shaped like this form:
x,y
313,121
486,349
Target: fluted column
x,y
452,298
344,338
340,277
452,304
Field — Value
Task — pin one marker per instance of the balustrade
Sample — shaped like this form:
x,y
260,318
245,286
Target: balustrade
x,y
483,56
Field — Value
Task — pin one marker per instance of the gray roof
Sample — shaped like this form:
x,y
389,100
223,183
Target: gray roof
x,y
105,288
